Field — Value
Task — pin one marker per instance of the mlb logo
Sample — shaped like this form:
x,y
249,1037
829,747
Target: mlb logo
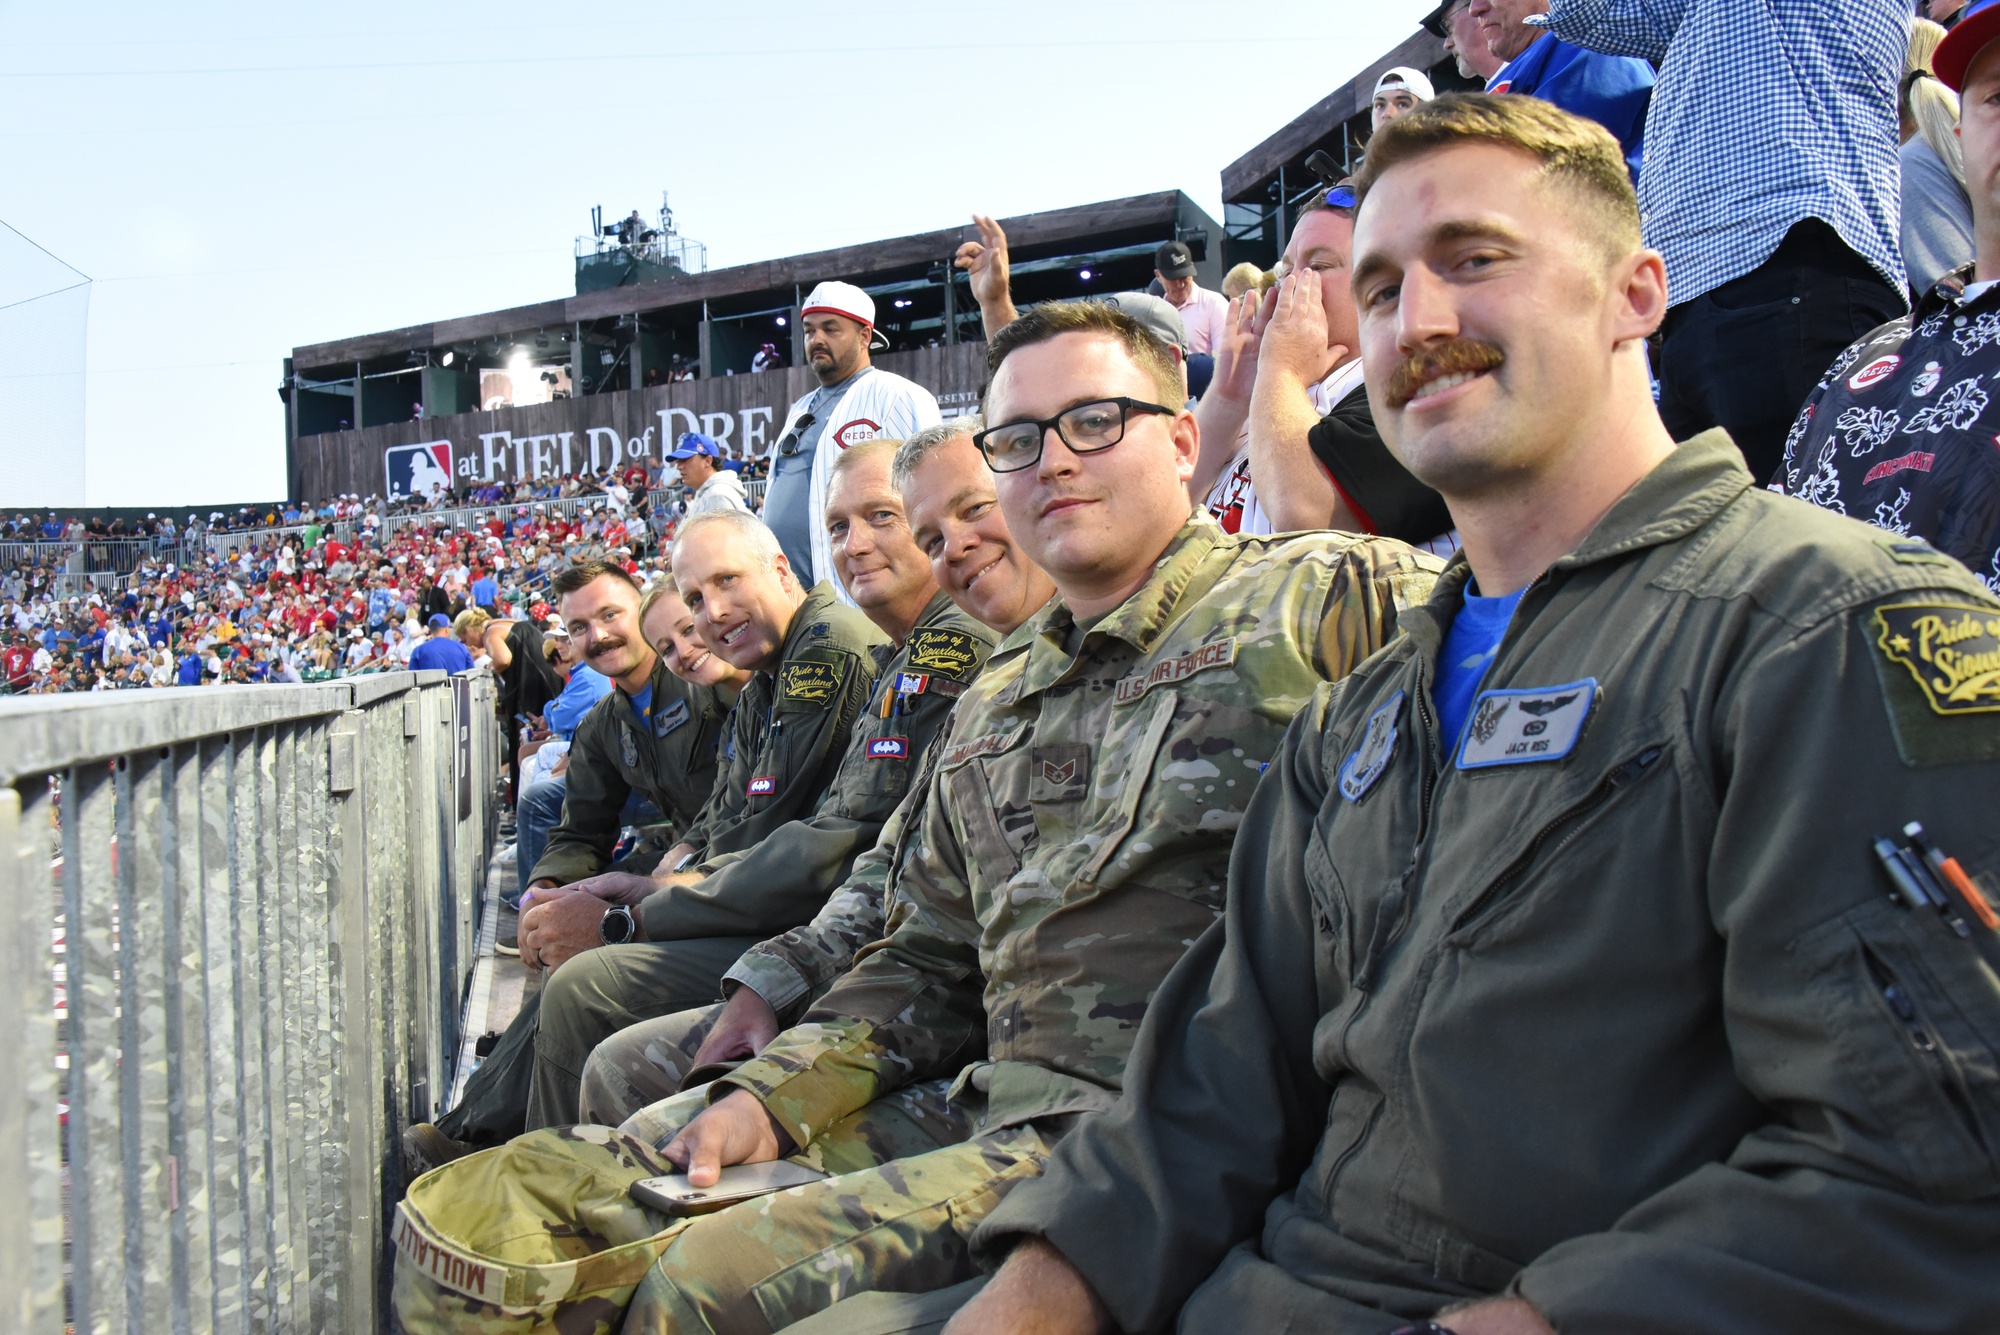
x,y
417,470
889,748
763,787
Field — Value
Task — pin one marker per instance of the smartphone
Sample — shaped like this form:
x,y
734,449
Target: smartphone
x,y
672,1195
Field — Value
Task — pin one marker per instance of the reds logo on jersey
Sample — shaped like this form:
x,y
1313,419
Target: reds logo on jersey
x,y
1875,372
855,431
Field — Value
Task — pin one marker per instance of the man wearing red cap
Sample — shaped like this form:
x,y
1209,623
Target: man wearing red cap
x,y
1900,431
854,402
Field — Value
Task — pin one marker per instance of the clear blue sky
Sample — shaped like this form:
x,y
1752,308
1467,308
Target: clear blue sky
x,y
241,179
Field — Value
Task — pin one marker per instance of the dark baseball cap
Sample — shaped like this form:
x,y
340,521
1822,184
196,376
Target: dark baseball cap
x,y
692,443
1433,22
1174,260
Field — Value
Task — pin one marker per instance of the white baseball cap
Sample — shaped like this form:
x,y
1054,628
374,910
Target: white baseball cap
x,y
841,299
1402,76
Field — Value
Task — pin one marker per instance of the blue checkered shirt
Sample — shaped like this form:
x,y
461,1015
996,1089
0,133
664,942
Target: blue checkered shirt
x,y
1767,112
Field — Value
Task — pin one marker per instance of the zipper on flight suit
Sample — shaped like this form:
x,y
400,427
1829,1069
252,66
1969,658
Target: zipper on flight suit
x,y
1904,1008
1393,914
1606,788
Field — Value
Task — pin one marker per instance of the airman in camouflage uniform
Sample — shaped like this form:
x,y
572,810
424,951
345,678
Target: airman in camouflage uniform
x,y
1073,845
950,505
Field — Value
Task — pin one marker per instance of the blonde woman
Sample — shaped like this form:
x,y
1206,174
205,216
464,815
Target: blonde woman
x,y
1937,213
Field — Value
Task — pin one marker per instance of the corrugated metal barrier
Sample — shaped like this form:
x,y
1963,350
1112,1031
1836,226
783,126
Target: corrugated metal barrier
x,y
256,905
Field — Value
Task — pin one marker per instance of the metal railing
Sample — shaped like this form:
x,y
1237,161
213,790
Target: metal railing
x,y
263,910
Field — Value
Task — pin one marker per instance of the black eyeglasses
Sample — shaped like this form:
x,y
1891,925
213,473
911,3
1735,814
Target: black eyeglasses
x,y
789,446
1086,429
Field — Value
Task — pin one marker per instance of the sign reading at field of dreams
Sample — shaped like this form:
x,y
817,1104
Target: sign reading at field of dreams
x,y
744,413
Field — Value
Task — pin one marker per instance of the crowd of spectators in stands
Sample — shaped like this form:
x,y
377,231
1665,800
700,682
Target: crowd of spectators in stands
x,y
312,590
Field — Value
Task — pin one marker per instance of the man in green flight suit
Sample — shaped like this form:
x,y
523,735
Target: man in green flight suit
x,y
1073,844
1563,984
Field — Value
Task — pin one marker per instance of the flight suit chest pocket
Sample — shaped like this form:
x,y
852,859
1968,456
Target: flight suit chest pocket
x,y
885,760
768,768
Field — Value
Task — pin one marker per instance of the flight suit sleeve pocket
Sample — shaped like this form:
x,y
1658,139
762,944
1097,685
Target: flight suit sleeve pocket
x,y
1915,1021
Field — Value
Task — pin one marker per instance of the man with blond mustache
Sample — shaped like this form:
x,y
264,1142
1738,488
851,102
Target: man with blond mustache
x,y
1560,986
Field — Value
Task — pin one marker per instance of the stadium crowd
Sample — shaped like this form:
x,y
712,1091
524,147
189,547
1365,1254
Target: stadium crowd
x,y
308,592
1477,822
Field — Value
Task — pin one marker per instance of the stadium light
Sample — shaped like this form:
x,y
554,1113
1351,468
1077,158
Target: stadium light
x,y
446,360
1084,274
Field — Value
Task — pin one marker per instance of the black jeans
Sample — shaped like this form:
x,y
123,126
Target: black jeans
x,y
1744,356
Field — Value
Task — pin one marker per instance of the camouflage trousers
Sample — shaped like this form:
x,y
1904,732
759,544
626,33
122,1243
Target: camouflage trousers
x,y
596,994
642,1064
899,1214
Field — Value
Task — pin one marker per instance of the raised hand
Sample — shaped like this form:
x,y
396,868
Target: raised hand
x,y
985,261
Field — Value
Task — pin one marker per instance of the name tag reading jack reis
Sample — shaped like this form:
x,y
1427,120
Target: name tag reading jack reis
x,y
1525,726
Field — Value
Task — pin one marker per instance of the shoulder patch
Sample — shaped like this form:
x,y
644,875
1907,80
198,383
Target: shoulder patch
x,y
889,748
1910,551
1221,653
937,649
1371,756
808,683
1951,649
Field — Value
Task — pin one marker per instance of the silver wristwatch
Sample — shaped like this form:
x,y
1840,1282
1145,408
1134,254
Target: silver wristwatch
x,y
618,925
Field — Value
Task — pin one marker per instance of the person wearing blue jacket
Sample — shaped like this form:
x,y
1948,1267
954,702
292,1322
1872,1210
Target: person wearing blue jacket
x,y
1614,91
